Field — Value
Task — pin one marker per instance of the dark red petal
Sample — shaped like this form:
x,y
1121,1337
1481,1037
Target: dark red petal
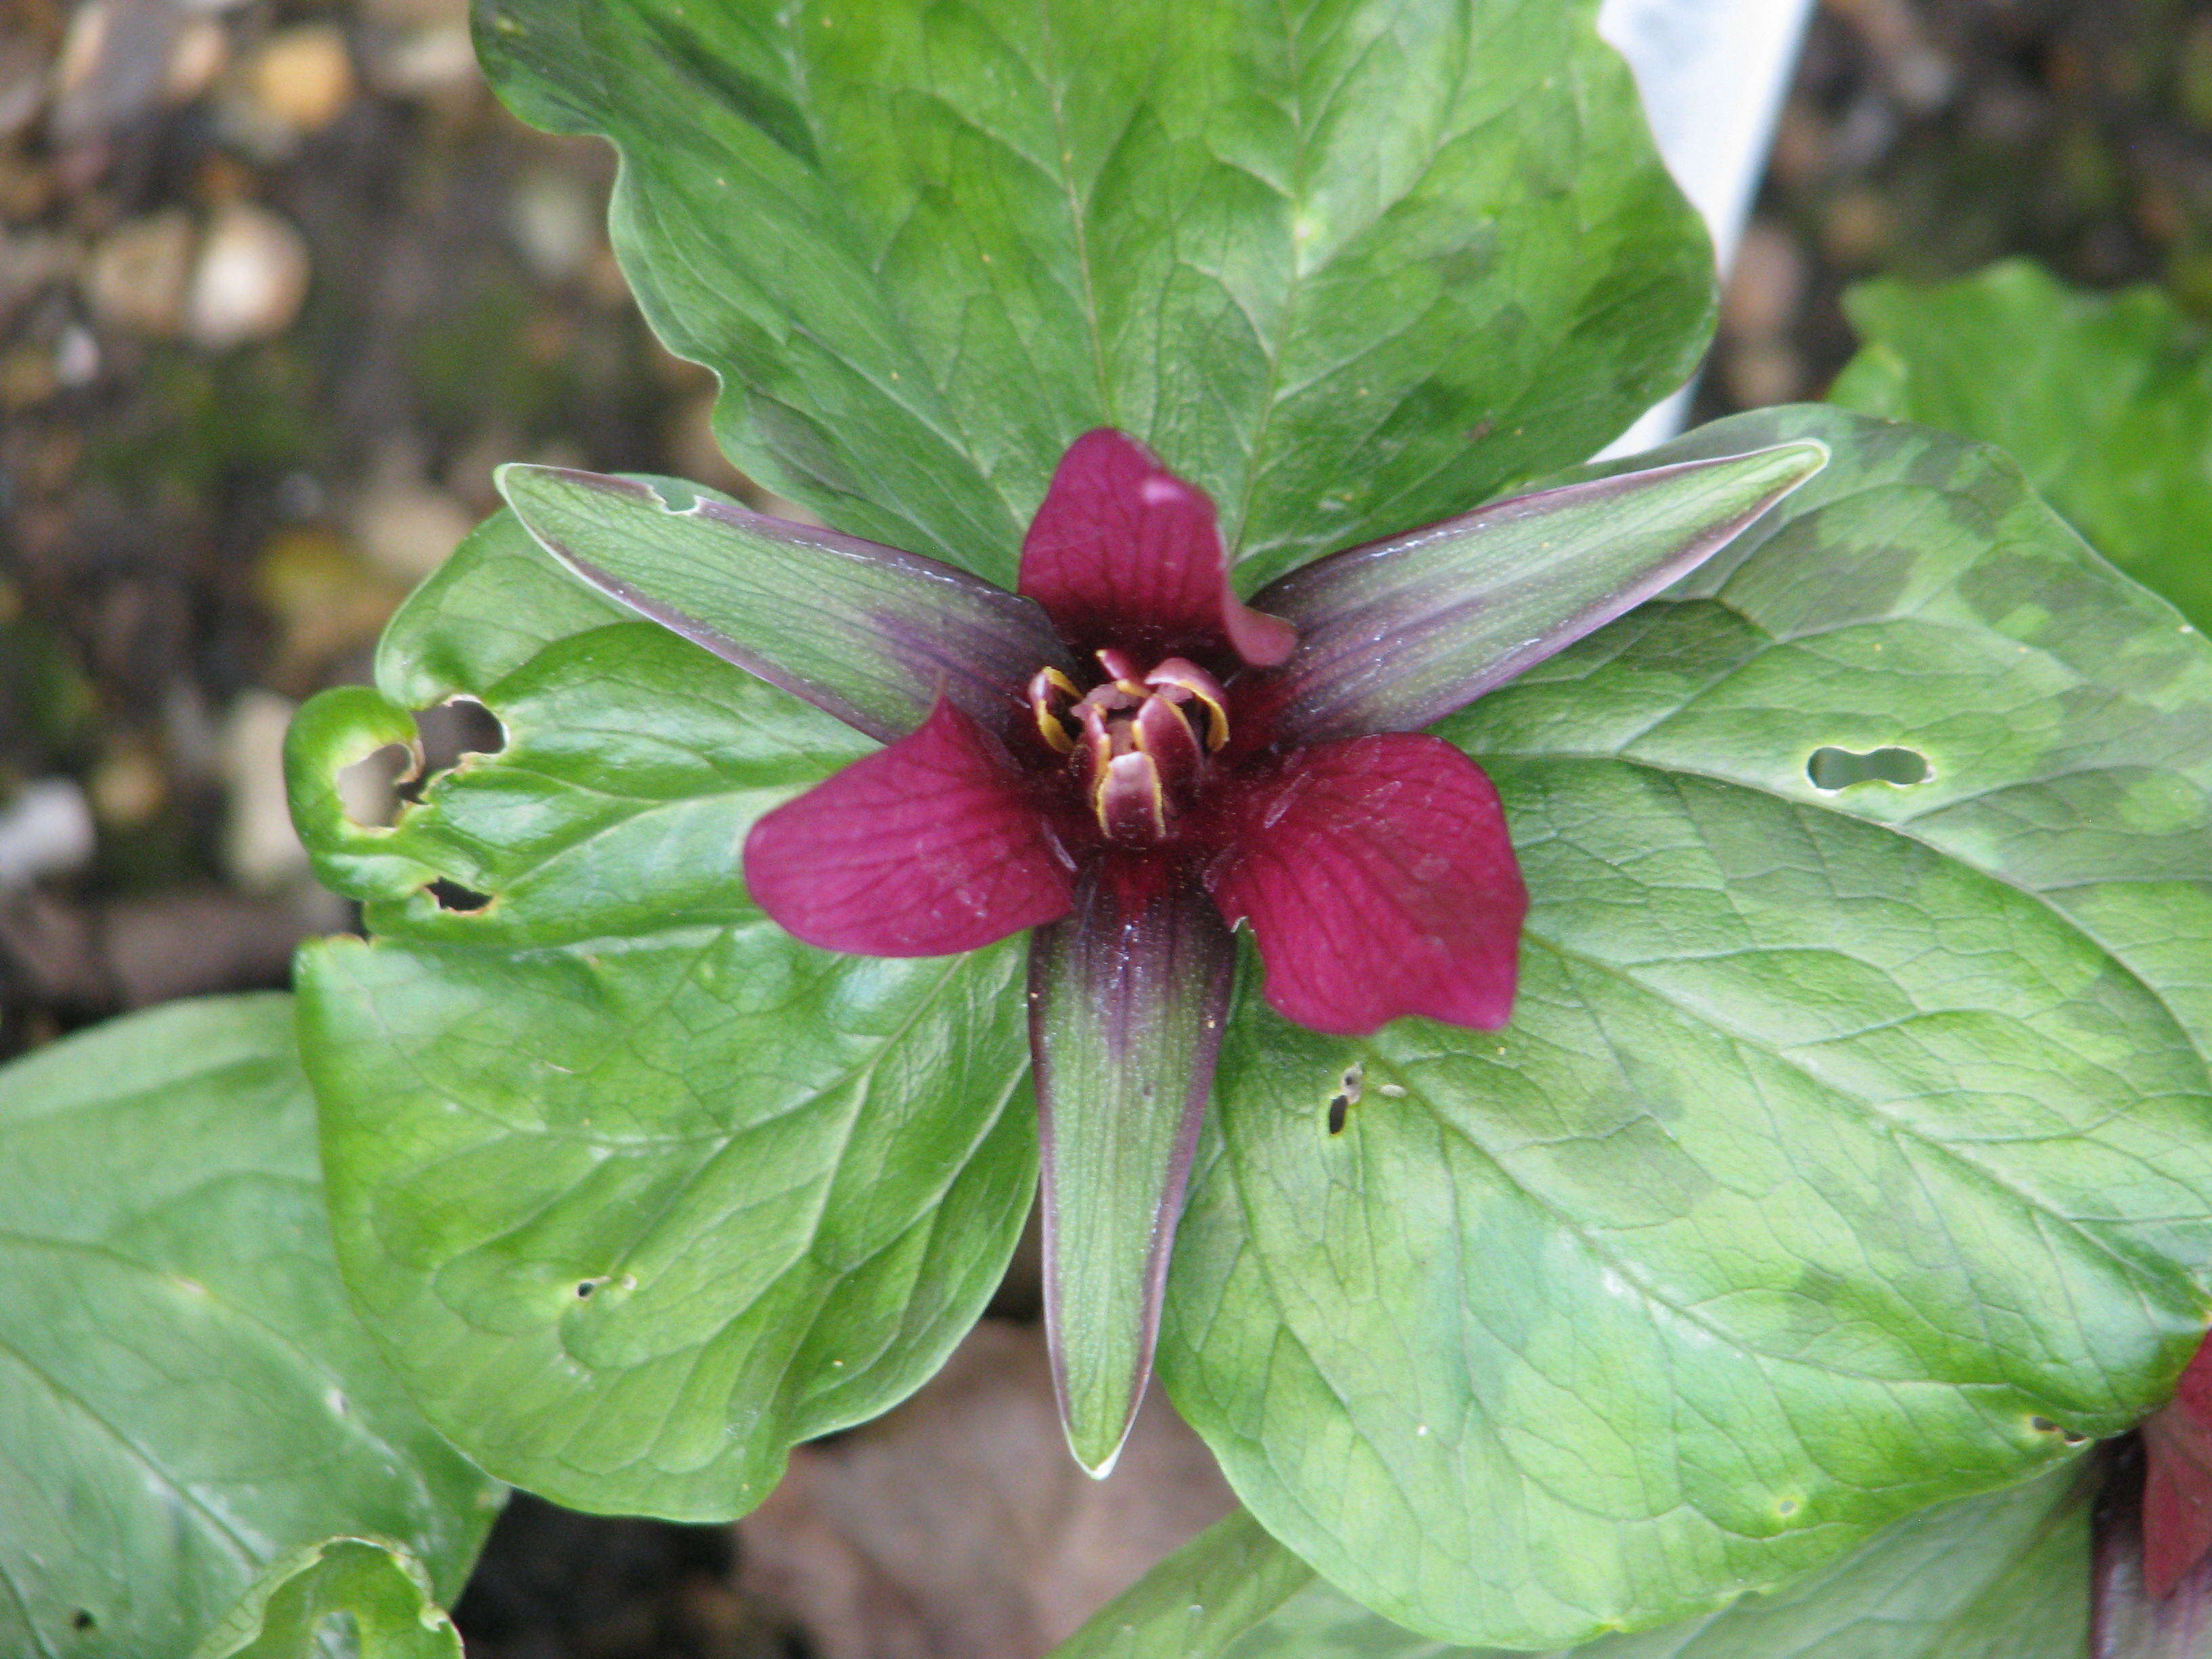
x,y
1124,553
2177,1509
2130,1616
1380,882
931,846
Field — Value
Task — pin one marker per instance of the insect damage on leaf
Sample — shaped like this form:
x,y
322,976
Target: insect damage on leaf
x,y
1833,768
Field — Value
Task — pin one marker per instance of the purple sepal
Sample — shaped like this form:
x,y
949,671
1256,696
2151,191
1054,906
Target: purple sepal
x,y
1400,633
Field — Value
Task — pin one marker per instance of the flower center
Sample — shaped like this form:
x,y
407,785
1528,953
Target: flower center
x,y
1138,746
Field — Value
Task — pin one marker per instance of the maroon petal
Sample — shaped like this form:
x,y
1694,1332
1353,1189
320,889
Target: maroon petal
x,y
1123,553
2130,1616
1380,882
1127,1000
2176,1506
931,846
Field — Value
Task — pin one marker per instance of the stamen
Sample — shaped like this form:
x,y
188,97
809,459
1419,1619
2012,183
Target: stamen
x,y
1176,675
1129,801
1123,673
1052,725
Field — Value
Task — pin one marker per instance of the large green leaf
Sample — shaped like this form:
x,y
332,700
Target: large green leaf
x,y
1850,1148
1349,265
2105,401
363,1592
2005,1576
635,1190
183,1392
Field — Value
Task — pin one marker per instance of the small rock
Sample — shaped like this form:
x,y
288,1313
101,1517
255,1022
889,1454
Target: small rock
x,y
137,276
128,786
76,357
27,377
324,600
418,14
44,830
555,222
1858,228
302,79
1759,372
407,528
250,279
113,66
203,47
425,62
191,941
24,74
261,851
29,263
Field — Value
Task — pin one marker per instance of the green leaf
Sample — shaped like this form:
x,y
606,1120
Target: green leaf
x,y
2005,1576
1851,1149
1350,267
635,1190
362,1588
1196,1604
185,1393
2105,401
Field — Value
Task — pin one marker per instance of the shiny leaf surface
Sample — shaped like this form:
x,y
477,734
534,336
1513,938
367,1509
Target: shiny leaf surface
x,y
185,1393
1849,1149
1348,267
636,1189
2104,400
2000,1576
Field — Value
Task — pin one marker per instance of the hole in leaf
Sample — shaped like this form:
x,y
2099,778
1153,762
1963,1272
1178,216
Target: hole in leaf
x,y
2041,1424
81,1620
585,1288
369,790
1833,768
452,896
1339,1108
451,730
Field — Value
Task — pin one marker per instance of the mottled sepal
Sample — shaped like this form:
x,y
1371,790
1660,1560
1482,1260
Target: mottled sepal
x,y
1400,633
1126,1000
868,633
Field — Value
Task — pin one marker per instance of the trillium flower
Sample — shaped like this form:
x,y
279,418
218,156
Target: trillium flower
x,y
1128,759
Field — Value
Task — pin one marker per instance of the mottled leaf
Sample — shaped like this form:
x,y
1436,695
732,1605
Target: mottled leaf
x,y
1849,1149
362,1591
1348,267
635,1190
2001,1576
184,1394
2104,400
